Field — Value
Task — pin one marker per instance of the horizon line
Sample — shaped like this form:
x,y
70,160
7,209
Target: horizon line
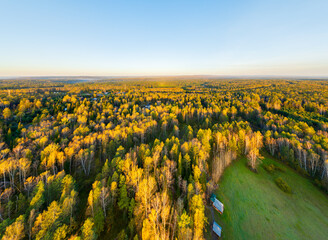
x,y
168,75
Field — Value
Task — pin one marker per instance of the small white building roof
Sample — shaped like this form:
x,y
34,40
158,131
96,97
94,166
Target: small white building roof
x,y
217,229
218,205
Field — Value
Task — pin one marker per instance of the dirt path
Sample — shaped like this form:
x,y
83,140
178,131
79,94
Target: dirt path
x,y
214,237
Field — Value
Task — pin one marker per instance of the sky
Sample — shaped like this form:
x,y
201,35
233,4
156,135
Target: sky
x,y
178,37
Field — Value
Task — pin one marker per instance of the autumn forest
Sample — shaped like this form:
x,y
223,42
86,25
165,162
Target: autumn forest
x,y
139,158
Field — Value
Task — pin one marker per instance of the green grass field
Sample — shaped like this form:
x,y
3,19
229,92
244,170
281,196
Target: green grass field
x,y
255,208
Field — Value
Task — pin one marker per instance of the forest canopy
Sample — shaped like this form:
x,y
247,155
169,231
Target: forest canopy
x,y
139,158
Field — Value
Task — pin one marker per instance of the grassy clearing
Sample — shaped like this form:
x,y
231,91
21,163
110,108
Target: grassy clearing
x,y
255,207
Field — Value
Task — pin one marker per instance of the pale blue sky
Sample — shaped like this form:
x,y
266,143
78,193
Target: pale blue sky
x,y
232,37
